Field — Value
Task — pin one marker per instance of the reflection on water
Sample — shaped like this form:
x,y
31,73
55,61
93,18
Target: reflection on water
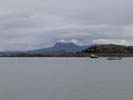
x,y
65,79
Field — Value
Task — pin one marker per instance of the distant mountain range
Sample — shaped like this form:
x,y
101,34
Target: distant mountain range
x,y
73,50
59,47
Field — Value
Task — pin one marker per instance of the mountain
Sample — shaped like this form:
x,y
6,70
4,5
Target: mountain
x,y
60,47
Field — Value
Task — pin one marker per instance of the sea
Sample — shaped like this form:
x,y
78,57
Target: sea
x,y
66,79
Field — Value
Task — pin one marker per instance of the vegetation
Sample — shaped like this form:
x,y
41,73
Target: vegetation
x,y
47,55
110,50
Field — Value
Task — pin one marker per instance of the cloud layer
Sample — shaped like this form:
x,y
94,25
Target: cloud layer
x,y
30,24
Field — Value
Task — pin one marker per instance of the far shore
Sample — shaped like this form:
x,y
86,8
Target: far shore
x,y
70,55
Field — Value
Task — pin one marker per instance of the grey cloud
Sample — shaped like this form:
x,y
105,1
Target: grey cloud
x,y
29,24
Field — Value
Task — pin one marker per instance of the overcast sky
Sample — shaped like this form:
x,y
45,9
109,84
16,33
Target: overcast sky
x,y
30,24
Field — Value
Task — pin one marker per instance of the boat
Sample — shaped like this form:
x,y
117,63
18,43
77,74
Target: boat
x,y
114,58
93,56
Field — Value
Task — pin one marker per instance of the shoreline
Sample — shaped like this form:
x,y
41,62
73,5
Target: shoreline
x,y
70,55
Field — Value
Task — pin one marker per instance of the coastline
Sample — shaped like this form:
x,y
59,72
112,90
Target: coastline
x,y
71,55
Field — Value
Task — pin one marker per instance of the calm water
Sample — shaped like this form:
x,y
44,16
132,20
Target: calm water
x,y
65,79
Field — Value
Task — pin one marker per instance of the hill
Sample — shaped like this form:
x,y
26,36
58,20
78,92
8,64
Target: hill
x,y
110,50
60,48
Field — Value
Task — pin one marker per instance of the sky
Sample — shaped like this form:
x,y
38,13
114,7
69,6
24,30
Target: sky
x,y
31,24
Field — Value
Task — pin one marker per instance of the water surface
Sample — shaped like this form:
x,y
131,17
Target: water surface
x,y
66,79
